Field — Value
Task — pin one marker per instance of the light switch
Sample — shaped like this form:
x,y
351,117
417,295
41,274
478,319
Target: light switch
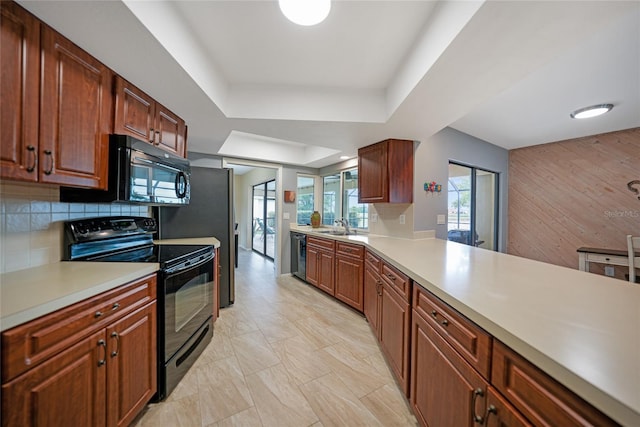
x,y
441,220
374,217
285,215
402,219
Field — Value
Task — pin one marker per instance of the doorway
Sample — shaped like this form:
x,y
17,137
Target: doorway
x,y
264,219
472,206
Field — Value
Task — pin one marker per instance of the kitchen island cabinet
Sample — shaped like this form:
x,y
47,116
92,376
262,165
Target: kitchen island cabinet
x,y
516,302
92,363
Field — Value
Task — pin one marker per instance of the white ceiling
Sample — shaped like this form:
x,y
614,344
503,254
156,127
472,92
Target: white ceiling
x,y
252,85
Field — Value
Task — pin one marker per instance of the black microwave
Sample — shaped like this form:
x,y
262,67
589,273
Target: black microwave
x,y
138,173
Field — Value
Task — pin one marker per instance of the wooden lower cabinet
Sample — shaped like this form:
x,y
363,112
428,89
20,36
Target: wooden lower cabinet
x,y
445,389
539,397
349,274
395,324
371,296
500,413
131,365
321,263
67,390
102,377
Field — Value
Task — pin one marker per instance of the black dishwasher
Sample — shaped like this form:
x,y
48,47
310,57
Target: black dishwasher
x,y
299,255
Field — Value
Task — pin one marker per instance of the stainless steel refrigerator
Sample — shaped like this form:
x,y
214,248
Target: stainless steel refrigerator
x,y
208,214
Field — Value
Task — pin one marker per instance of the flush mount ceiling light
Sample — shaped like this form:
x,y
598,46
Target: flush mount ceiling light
x,y
305,12
594,110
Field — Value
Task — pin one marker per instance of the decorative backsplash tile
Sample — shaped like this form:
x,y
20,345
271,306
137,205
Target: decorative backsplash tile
x,y
31,217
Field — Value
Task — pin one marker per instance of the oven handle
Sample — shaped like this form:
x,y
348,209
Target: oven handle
x,y
187,264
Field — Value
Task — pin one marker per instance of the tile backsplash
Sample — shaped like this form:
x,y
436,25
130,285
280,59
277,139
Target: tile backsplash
x,y
31,217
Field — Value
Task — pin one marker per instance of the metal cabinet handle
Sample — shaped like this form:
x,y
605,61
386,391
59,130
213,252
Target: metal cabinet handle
x,y
379,288
477,418
490,410
103,344
115,335
32,150
445,322
98,314
391,276
115,306
153,135
434,313
50,156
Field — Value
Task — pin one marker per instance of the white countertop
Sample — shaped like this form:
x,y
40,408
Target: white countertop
x,y
582,329
34,292
28,294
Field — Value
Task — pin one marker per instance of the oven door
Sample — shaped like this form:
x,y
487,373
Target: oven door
x,y
188,303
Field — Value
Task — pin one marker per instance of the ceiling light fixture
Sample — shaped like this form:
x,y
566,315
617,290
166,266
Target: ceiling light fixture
x,y
344,157
593,111
305,12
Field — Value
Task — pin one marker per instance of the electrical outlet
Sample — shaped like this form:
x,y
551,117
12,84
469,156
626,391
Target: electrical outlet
x,y
609,270
402,219
441,220
374,217
285,215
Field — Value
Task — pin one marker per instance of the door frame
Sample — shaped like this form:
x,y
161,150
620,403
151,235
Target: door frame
x,y
228,162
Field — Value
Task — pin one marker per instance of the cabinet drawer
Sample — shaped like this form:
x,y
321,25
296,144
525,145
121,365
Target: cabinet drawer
x,y
472,342
25,346
540,398
400,282
349,249
321,243
372,260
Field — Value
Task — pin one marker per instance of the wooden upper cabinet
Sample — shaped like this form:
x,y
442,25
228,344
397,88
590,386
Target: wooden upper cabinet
x,y
386,172
75,114
139,115
19,92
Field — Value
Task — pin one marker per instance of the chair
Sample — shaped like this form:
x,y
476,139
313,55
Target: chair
x,y
633,246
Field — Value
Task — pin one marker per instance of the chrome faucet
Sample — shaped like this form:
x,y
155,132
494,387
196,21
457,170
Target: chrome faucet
x,y
345,224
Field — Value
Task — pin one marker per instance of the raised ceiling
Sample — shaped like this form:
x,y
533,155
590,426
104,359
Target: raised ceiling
x,y
252,85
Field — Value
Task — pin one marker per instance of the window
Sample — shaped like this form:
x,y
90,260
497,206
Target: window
x,y
473,206
340,200
305,199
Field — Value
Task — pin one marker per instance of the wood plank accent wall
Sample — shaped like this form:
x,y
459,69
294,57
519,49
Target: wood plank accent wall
x,y
574,193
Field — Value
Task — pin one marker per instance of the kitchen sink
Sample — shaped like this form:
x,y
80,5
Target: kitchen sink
x,y
335,232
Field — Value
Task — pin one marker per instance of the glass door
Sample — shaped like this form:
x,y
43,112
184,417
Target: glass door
x,y
264,219
472,206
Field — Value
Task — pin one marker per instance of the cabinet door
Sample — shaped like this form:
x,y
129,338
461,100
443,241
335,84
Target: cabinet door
x,y
67,390
372,291
135,112
19,91
75,114
372,167
349,275
170,131
312,265
326,273
445,389
500,413
132,378
395,317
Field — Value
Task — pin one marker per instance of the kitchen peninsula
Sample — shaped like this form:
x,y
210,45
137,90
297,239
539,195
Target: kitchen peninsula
x,y
579,328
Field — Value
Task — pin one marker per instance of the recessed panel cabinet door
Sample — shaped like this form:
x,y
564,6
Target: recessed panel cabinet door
x,y
75,114
395,322
445,389
19,91
67,390
348,282
135,112
132,379
170,131
372,290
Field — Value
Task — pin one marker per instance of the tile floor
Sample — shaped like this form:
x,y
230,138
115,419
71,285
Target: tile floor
x,y
284,354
